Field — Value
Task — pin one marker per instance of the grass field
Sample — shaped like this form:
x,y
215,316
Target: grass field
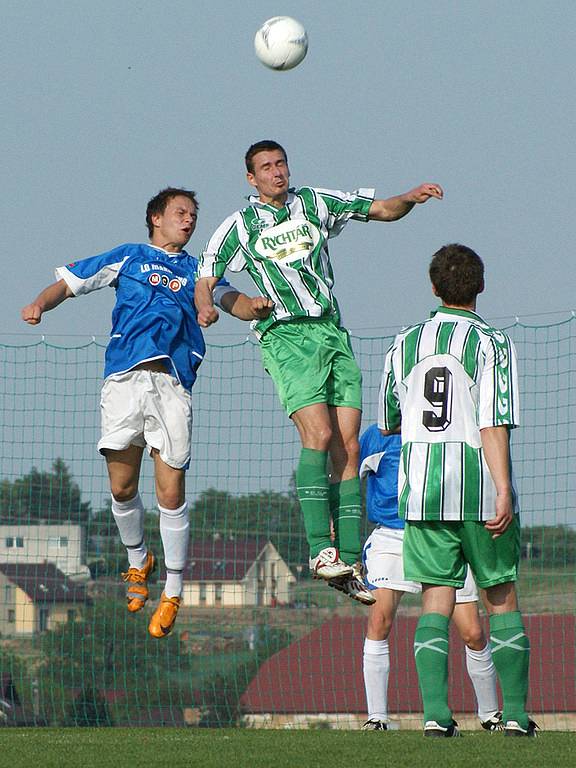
x,y
172,748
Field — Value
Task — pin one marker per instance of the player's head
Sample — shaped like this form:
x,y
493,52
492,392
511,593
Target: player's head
x,y
171,217
267,145
457,275
267,169
157,205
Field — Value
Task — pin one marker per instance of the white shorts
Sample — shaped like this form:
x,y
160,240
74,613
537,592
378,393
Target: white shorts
x,y
382,558
147,408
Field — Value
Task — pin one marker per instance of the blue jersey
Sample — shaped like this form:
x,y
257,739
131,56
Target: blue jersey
x,y
379,461
154,316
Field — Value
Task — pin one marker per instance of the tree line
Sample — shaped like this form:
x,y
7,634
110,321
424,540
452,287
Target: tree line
x,y
55,497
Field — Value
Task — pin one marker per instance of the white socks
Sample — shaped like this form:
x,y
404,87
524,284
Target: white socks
x,y
174,530
129,517
376,672
483,676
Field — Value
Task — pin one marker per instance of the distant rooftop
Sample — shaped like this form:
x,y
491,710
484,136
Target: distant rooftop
x,y
44,583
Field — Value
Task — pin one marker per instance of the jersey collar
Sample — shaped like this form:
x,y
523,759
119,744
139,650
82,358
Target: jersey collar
x,y
168,253
460,312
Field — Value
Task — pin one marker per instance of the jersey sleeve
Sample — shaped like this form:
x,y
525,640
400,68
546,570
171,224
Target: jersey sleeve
x,y
223,251
389,415
93,273
343,206
221,288
499,399
370,464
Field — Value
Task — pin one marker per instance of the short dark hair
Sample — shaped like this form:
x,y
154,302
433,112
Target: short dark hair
x,y
457,273
157,205
267,145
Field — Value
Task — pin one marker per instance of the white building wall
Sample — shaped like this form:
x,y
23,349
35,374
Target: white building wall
x,y
62,545
267,581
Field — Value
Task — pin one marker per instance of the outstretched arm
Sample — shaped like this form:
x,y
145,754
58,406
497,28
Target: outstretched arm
x,y
48,299
496,448
246,308
394,208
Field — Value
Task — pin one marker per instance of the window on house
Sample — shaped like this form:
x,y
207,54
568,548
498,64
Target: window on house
x,y
9,542
19,542
71,614
63,542
218,594
202,595
11,616
43,616
7,593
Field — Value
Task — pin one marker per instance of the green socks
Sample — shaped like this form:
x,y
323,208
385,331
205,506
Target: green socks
x,y
511,654
346,509
431,655
510,651
312,488
319,502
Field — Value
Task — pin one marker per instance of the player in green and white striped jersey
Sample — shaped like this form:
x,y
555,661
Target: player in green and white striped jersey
x,y
281,239
450,376
451,382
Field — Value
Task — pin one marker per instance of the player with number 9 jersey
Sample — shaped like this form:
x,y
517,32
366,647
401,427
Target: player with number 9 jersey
x,y
451,376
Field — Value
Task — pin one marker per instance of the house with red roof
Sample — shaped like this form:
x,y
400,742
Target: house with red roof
x,y
36,598
236,573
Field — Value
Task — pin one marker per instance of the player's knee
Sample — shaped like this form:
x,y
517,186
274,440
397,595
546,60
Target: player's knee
x,y
474,637
318,439
171,498
123,491
379,626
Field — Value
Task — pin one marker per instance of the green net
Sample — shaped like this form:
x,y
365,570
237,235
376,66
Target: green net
x,y
257,642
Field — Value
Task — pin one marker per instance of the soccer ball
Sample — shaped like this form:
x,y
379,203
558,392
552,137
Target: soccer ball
x,y
281,43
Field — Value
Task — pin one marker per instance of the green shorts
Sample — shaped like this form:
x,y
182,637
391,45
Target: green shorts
x,y
437,553
311,361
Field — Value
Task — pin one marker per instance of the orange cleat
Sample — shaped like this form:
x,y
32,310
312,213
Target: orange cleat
x,y
137,592
164,617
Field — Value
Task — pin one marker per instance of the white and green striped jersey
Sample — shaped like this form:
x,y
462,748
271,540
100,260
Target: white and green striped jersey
x,y
446,379
286,250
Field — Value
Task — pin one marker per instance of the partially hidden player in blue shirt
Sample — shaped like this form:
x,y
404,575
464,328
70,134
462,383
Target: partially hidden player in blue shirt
x,y
384,574
152,358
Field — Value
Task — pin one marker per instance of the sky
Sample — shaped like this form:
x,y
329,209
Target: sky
x,y
104,104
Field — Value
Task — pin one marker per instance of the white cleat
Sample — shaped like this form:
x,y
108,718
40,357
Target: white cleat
x,y
353,586
327,565
513,728
434,729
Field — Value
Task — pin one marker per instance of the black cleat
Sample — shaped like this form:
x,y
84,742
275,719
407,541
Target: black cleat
x,y
493,723
432,728
513,728
375,725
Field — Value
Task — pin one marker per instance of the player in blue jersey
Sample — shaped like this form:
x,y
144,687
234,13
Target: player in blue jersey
x,y
379,460
155,349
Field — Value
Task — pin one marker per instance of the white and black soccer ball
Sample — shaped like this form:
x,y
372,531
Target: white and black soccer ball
x,y
281,43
